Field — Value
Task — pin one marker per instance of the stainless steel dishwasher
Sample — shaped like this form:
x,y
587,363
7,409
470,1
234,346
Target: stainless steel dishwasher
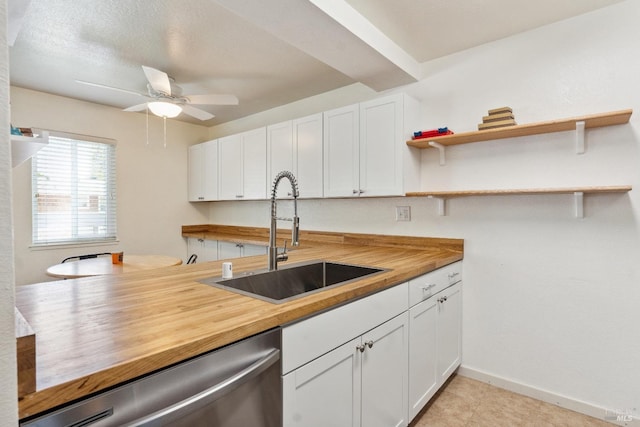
x,y
235,386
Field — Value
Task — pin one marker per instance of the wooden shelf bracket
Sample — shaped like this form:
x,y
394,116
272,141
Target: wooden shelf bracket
x,y
580,125
440,148
442,205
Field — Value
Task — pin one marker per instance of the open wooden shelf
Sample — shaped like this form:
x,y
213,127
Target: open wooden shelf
x,y
522,191
577,192
590,121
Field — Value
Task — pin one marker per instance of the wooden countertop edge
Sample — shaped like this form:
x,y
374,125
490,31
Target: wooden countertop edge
x,y
260,236
58,394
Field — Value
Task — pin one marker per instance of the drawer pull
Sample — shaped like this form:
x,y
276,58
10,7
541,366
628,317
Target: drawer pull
x,y
452,275
361,347
428,287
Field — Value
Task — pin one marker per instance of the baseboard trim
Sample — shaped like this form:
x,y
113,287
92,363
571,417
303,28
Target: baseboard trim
x,y
611,416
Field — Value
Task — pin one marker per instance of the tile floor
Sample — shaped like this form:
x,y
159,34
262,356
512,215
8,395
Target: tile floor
x,y
467,402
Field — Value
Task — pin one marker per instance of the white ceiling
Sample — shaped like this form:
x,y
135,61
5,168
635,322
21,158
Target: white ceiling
x,y
267,52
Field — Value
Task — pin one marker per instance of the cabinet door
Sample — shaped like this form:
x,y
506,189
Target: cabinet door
x,y
230,168
228,250
251,250
210,175
210,252
254,165
381,147
326,391
280,155
384,374
307,140
423,377
449,333
206,250
196,173
341,157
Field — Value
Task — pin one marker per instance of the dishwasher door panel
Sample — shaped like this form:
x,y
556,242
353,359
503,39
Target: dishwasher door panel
x,y
236,386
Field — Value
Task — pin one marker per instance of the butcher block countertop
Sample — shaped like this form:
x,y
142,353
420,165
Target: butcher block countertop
x,y
93,333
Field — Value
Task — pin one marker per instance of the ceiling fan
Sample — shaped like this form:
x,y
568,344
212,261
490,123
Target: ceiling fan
x,y
166,99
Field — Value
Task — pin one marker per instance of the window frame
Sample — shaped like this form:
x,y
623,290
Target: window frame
x,y
75,217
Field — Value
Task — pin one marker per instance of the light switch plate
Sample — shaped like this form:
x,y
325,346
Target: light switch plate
x,y
403,213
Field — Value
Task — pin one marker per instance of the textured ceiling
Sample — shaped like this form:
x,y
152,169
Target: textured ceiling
x,y
265,56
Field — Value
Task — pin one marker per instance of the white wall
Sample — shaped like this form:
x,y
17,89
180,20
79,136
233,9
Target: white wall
x,y
151,179
551,301
8,391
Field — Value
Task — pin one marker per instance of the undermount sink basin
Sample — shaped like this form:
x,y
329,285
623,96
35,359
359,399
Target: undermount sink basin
x,y
292,281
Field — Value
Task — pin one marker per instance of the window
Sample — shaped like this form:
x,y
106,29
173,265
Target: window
x,y
74,199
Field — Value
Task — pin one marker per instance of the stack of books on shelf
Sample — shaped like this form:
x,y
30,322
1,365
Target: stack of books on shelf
x,y
498,118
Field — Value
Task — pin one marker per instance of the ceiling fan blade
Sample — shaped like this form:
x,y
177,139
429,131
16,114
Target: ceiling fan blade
x,y
139,107
196,112
159,80
111,88
213,99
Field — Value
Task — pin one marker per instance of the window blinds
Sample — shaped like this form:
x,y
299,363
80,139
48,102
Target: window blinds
x,y
74,192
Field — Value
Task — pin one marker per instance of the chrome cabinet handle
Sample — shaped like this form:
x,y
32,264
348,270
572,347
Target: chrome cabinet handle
x,y
355,191
239,196
361,347
443,299
369,343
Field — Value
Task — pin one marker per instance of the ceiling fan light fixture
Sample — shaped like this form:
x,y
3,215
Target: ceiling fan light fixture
x,y
164,109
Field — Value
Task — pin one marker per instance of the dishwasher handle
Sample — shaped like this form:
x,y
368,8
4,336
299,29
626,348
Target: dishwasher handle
x,y
211,394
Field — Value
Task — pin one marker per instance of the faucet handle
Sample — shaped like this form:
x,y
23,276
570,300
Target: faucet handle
x,y
282,256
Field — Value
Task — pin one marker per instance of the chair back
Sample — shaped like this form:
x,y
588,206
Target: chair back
x,y
86,256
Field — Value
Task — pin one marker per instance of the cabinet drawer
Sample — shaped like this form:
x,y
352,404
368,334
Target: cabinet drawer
x,y
313,337
429,284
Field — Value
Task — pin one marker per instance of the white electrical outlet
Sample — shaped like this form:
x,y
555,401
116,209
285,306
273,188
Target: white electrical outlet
x,y
403,213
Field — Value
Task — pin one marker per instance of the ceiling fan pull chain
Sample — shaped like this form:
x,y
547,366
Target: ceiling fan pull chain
x,y
147,126
164,121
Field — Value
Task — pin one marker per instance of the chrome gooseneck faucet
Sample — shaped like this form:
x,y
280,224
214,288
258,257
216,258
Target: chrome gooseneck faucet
x,y
273,254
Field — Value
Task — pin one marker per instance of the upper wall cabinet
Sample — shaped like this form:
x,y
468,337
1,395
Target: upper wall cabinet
x,y
280,156
296,146
203,171
364,150
242,166
341,159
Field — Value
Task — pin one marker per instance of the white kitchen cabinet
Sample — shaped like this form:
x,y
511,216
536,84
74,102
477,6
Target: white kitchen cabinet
x,y
435,331
365,153
352,359
296,146
341,133
206,250
384,374
361,383
203,172
449,331
242,166
423,359
228,250
280,156
326,391
308,169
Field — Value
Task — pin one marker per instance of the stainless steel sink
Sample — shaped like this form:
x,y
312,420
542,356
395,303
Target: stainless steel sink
x,y
293,281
